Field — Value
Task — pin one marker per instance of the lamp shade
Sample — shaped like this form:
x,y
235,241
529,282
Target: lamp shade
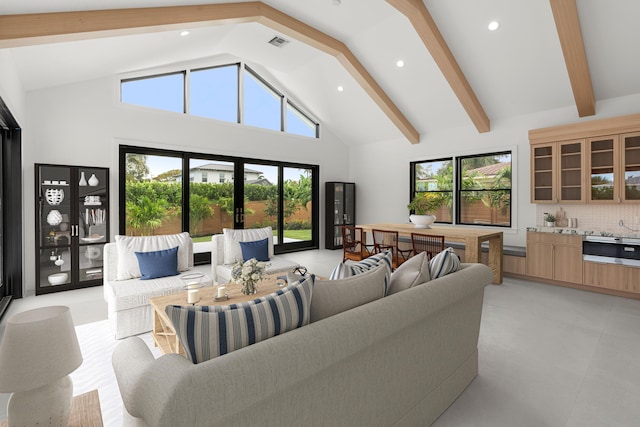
x,y
38,347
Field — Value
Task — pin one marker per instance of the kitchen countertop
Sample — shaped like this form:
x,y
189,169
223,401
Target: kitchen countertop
x,y
583,232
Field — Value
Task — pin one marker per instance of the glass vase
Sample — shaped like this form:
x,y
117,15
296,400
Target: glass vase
x,y
249,287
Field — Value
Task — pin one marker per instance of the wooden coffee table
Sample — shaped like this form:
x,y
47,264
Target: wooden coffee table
x,y
164,334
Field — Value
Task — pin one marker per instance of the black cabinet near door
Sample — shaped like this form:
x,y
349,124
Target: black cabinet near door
x,y
72,226
340,209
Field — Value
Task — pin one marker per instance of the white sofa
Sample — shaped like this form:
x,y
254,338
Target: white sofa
x,y
127,296
226,251
400,360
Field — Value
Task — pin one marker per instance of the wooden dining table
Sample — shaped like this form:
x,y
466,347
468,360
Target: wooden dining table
x,y
471,237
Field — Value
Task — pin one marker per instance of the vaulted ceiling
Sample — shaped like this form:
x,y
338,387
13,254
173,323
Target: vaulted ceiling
x,y
547,54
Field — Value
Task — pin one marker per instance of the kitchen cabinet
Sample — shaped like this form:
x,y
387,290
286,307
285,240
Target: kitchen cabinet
x,y
72,226
612,276
554,256
614,168
557,172
340,209
590,162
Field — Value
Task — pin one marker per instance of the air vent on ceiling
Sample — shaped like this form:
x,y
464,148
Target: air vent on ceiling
x,y
278,41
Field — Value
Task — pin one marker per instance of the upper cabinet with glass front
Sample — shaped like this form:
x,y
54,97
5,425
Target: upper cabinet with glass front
x,y
604,167
556,172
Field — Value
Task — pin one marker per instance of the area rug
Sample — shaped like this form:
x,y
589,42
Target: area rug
x,y
97,344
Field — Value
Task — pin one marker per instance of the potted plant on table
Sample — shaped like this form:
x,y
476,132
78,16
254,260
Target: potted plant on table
x,y
421,206
549,220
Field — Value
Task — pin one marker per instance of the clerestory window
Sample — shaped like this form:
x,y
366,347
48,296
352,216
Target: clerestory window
x,y
233,93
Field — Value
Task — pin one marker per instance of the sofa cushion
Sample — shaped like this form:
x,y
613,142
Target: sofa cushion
x,y
335,296
410,273
444,263
350,268
128,267
157,264
232,239
206,332
258,250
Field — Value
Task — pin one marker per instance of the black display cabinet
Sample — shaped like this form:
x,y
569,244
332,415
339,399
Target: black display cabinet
x,y
340,209
72,226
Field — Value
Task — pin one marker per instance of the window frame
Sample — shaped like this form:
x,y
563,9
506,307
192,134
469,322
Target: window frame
x,y
457,186
242,67
239,162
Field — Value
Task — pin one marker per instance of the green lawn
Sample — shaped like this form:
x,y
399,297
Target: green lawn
x,y
290,234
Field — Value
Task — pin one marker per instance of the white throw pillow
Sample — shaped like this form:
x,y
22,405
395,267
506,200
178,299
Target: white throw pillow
x,y
331,297
348,269
232,239
444,263
128,245
412,272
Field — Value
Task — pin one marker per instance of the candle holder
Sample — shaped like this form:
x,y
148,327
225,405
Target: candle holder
x,y
192,286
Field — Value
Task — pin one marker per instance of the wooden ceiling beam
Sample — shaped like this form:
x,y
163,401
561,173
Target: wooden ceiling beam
x,y
565,14
425,26
41,28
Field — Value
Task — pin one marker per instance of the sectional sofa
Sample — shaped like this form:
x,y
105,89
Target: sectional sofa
x,y
398,360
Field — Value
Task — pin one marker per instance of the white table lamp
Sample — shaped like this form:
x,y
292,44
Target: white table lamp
x,y
38,351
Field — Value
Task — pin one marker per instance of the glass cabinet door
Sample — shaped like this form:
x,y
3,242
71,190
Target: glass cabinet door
x,y
602,164
543,167
631,164
570,171
92,221
54,226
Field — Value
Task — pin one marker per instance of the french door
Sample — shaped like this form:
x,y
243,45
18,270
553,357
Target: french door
x,y
165,192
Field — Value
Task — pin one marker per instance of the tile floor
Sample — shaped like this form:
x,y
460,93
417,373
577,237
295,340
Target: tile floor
x,y
549,356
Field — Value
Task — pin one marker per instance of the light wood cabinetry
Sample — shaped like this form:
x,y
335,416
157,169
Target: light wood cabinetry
x,y
554,257
591,162
557,172
612,276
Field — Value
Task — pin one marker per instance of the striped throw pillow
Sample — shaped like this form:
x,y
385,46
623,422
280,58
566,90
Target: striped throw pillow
x,y
206,332
444,263
348,269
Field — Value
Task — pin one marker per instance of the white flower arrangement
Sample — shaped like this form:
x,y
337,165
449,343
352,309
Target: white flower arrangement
x,y
248,274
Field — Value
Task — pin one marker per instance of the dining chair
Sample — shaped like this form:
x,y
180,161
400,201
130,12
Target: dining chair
x,y
431,244
353,247
385,240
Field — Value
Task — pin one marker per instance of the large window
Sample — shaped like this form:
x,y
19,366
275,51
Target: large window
x,y
214,93
165,92
232,93
476,188
166,192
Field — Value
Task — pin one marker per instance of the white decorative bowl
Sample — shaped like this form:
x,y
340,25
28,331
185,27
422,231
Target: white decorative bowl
x,y
422,221
58,278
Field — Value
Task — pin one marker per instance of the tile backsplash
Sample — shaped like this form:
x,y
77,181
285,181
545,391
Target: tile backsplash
x,y
596,217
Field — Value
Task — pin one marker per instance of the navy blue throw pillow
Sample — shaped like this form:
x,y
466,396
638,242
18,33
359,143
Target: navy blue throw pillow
x,y
158,263
258,250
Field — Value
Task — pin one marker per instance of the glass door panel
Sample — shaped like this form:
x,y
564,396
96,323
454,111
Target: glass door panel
x,y
571,171
297,195
261,198
211,198
602,167
55,219
543,174
631,163
93,219
153,190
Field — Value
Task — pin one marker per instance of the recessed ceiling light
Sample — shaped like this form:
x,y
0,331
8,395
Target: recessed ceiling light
x,y
337,2
400,63
493,25
340,88
184,33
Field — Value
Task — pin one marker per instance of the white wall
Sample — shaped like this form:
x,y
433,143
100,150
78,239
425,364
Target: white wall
x,y
83,124
11,90
381,169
